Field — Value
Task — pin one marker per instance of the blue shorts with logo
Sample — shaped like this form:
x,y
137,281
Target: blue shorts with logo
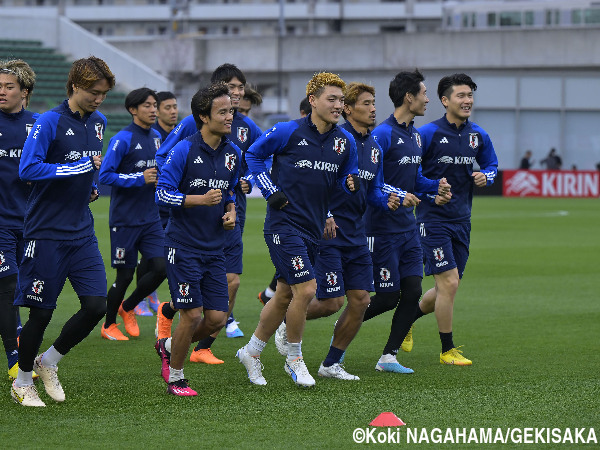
x,y
293,256
196,280
11,251
445,246
125,242
234,248
47,264
395,257
341,269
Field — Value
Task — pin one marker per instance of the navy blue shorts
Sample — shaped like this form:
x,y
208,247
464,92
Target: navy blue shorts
x,y
125,242
395,257
47,264
445,246
341,269
293,256
234,248
11,251
197,280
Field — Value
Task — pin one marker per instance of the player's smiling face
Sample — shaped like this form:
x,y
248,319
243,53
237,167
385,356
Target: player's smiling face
x,y
11,96
236,91
328,106
144,114
221,116
363,111
459,104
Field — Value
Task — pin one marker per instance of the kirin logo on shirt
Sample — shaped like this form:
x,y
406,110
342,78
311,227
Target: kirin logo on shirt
x,y
157,143
140,164
99,130
384,273
374,155
303,163
331,278
473,140
230,161
242,134
438,253
3,152
38,286
184,289
418,139
73,156
339,145
297,263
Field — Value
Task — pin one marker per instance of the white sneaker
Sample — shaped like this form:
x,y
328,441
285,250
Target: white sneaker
x,y
26,395
232,330
49,375
281,341
253,366
297,370
336,371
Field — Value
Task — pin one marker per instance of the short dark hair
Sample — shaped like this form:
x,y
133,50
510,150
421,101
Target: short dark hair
x,y
138,96
458,79
305,106
405,83
252,95
203,99
85,72
164,95
227,72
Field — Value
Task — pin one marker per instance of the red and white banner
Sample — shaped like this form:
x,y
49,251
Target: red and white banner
x,y
550,183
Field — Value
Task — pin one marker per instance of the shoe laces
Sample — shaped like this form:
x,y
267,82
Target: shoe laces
x,y
182,383
299,366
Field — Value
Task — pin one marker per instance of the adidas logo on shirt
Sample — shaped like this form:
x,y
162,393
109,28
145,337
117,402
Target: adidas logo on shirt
x,y
138,147
400,141
303,142
69,132
198,160
444,140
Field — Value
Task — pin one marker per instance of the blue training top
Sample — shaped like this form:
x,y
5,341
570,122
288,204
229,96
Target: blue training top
x,y
14,128
57,159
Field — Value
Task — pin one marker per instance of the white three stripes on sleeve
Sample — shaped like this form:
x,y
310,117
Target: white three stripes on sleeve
x,y
74,170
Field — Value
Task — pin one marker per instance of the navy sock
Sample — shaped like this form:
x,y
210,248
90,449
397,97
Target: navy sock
x,y
230,319
418,313
447,343
168,312
205,343
334,356
12,357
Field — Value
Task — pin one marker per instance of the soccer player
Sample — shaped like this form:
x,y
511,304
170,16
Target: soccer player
x,y
393,237
17,81
244,133
343,264
311,157
129,167
166,115
59,158
251,98
451,145
197,181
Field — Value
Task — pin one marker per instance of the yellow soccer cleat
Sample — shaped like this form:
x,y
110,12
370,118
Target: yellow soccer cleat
x,y
407,343
454,357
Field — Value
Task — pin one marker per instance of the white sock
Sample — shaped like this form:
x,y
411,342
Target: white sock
x,y
24,378
255,346
294,350
175,374
388,358
168,345
51,357
269,292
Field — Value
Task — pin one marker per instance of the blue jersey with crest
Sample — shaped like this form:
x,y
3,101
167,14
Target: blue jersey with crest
x,y
131,151
193,167
14,128
348,209
57,160
401,146
450,152
163,133
307,167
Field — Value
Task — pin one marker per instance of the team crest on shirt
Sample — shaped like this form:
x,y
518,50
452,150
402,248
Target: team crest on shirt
x,y
242,134
438,253
374,155
120,253
384,273
473,140
157,143
331,278
2,259
28,128
339,145
418,139
230,161
297,263
99,130
38,286
184,289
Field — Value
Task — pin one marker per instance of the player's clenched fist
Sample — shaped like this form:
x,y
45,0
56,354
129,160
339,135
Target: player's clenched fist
x,y
212,197
229,220
443,187
410,200
393,201
353,182
150,175
97,161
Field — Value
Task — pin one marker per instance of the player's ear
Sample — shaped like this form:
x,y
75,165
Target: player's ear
x,y
203,118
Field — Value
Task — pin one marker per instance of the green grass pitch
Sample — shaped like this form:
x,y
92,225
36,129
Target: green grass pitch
x,y
527,313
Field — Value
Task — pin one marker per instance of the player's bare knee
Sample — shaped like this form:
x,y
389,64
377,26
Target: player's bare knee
x,y
233,281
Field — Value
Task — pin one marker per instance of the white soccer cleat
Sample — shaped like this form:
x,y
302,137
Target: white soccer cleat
x,y
49,375
297,370
26,395
336,371
253,366
281,341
